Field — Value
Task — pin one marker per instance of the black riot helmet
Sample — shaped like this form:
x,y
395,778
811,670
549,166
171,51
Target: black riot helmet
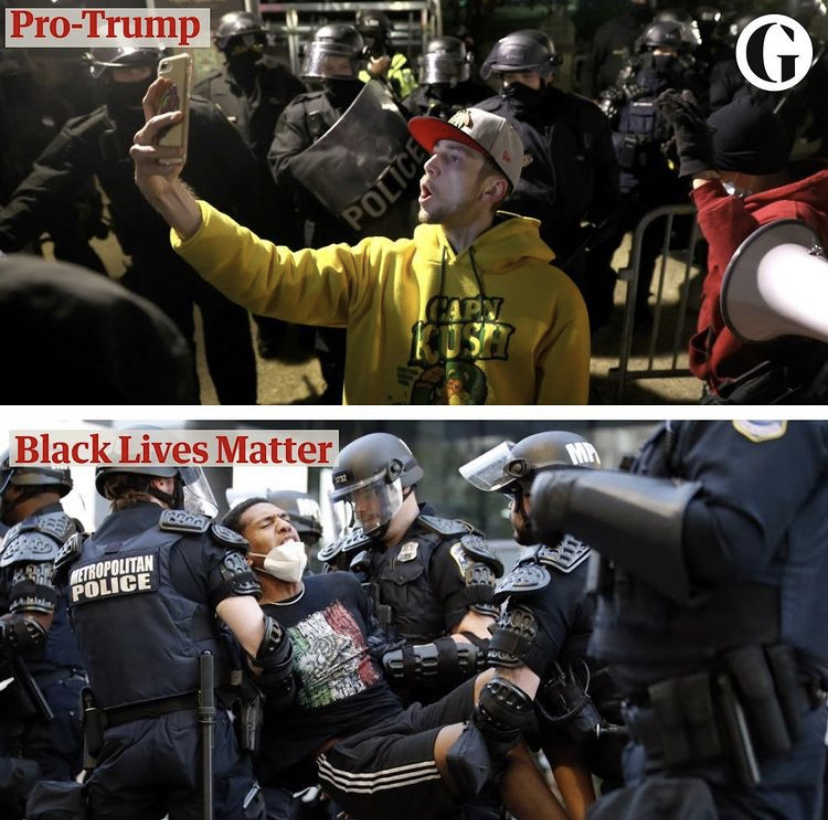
x,y
102,60
690,34
510,467
332,47
445,61
55,479
192,491
662,35
303,510
375,28
524,50
371,475
240,31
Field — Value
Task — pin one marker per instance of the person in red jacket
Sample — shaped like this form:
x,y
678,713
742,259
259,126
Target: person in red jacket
x,y
738,159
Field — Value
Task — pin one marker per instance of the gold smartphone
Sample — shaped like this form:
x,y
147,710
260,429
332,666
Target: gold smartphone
x,y
179,69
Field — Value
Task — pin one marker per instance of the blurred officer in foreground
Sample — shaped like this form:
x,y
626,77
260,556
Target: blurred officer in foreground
x,y
711,614
145,590
571,174
219,165
384,63
252,89
446,83
114,347
738,161
41,727
432,579
546,621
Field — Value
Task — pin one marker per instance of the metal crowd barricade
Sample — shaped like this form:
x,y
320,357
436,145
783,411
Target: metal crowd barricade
x,y
414,21
632,275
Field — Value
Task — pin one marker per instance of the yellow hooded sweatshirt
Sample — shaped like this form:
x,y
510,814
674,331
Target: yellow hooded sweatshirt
x,y
495,324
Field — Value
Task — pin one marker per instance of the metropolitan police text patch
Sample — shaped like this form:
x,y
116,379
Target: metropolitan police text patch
x,y
128,575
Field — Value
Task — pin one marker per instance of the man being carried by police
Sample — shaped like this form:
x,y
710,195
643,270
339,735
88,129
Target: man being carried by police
x,y
145,591
742,179
711,612
384,63
540,640
570,174
446,82
252,89
41,730
348,731
468,311
431,579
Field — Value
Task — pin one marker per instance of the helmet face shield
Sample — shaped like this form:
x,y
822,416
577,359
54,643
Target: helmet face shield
x,y
372,502
197,495
440,67
327,61
487,472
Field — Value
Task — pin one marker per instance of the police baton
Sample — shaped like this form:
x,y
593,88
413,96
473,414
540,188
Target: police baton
x,y
207,719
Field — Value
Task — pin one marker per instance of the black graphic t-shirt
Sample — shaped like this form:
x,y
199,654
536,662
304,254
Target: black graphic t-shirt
x,y
342,688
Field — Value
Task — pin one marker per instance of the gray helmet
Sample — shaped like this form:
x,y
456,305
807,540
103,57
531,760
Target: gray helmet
x,y
445,61
302,508
101,60
373,25
662,34
239,28
336,40
524,50
508,467
57,479
370,475
690,34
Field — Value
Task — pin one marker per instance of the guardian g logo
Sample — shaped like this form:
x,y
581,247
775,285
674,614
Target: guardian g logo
x,y
774,52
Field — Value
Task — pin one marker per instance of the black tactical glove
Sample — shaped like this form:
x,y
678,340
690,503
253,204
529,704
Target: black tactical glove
x,y
693,136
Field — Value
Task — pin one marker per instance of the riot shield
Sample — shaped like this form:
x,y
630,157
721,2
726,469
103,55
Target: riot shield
x,y
365,168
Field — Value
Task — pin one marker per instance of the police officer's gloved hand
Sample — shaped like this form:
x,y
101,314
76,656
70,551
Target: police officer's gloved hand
x,y
693,136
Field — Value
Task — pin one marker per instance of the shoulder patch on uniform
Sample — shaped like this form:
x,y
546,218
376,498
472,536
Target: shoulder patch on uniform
x,y
568,555
461,557
229,538
760,431
183,521
444,526
522,579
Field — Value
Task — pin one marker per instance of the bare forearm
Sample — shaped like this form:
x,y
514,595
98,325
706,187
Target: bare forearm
x,y
179,208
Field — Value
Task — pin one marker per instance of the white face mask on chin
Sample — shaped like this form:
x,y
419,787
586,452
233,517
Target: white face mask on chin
x,y
286,562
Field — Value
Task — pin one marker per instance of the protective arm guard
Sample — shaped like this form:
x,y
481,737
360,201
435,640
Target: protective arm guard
x,y
20,633
275,658
635,521
442,664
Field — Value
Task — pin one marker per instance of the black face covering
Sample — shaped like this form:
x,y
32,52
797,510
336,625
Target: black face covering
x,y
342,91
526,98
243,65
665,63
127,96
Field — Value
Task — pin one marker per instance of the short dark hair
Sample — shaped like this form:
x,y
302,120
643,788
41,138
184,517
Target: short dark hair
x,y
233,518
489,169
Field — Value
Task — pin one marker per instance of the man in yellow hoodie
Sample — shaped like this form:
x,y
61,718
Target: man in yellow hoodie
x,y
468,311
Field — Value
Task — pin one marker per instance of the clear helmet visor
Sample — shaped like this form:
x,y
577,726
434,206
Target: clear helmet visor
x,y
443,68
198,496
487,472
329,61
370,503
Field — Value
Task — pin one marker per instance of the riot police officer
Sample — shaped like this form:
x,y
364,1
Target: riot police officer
x,y
384,63
432,579
572,174
333,58
711,612
41,720
219,164
446,83
545,596
144,593
252,89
